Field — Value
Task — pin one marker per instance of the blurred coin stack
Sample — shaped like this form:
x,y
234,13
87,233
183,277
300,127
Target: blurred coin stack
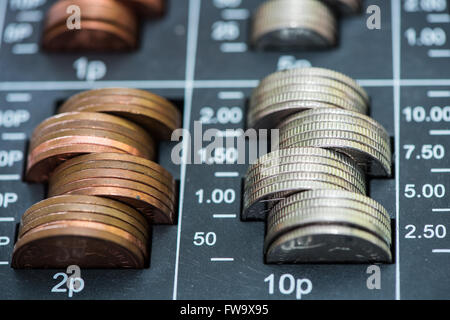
x,y
104,188
303,24
100,25
312,190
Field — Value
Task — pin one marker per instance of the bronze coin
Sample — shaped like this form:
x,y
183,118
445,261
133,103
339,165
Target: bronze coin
x,y
84,216
153,209
48,155
153,121
157,198
92,120
82,243
170,116
78,208
168,185
84,200
94,36
153,186
95,121
121,158
99,10
166,107
154,113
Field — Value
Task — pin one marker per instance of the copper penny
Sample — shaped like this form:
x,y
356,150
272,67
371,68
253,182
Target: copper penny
x,y
84,200
48,155
80,209
62,181
94,36
82,243
84,216
153,209
53,126
167,107
93,170
99,10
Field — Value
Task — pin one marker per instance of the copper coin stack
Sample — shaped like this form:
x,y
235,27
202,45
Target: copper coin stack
x,y
313,188
105,25
299,24
96,161
91,232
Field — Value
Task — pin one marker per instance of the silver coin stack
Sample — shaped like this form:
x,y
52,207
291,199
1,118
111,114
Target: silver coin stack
x,y
279,24
313,189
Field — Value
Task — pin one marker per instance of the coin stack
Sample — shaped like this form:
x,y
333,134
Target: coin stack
x,y
288,92
356,135
331,226
298,24
140,183
313,189
104,25
66,135
104,188
154,113
91,232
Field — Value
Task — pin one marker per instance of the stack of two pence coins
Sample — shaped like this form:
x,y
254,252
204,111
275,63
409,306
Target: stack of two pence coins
x,y
104,188
313,189
100,25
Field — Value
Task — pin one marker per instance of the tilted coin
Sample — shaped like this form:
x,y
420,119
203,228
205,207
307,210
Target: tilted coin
x,y
131,217
333,198
119,161
152,112
302,209
67,144
289,83
106,26
328,244
63,180
317,73
64,200
287,23
82,243
94,36
139,196
91,120
84,216
260,198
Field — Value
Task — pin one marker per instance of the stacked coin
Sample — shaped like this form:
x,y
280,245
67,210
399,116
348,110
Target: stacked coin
x,y
279,24
90,232
154,113
284,93
313,188
284,172
104,189
351,133
140,183
328,226
105,25
66,135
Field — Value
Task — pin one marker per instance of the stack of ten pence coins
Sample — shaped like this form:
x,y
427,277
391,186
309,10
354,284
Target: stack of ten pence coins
x,y
312,190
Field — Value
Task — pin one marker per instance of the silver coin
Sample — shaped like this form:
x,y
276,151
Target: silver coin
x,y
328,244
